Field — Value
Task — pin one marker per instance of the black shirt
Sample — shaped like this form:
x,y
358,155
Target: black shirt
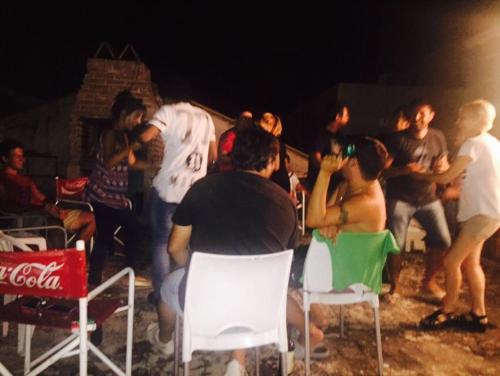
x,y
406,149
237,213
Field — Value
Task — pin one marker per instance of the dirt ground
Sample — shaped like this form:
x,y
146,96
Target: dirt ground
x,y
407,350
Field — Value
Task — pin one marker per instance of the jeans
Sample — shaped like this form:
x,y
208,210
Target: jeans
x,y
430,216
161,223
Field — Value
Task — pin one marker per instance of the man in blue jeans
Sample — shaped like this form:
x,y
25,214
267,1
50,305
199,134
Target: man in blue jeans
x,y
422,149
188,135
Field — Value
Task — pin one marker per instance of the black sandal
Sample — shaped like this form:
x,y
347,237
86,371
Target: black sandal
x,y
471,322
438,320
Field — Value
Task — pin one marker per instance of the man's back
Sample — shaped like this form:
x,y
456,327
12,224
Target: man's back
x,y
186,132
238,213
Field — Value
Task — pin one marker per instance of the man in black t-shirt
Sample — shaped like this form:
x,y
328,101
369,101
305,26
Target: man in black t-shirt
x,y
422,149
328,141
239,212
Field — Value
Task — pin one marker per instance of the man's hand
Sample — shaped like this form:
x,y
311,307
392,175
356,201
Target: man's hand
x,y
329,231
441,165
332,163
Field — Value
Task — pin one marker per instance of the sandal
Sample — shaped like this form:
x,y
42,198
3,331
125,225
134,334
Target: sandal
x,y
319,352
472,322
438,320
330,332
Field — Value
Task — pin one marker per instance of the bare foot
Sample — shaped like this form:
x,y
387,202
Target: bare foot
x,y
315,336
434,289
392,297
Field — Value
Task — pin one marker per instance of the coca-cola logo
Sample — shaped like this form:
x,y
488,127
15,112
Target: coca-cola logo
x,y
32,275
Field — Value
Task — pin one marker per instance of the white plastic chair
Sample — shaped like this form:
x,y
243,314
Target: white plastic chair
x,y
236,302
67,305
319,282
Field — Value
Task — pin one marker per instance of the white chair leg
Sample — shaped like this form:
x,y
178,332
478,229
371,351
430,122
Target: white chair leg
x,y
176,345
27,347
257,361
379,342
21,339
186,369
341,314
4,371
284,364
307,349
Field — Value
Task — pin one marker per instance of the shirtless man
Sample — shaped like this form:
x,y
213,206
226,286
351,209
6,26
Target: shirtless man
x,y
357,205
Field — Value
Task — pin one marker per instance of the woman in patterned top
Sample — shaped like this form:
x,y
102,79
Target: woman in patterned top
x,y
108,183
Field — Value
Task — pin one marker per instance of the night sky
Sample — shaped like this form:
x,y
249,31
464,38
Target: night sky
x,y
233,55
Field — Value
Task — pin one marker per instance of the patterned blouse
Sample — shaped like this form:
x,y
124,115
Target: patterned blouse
x,y
108,185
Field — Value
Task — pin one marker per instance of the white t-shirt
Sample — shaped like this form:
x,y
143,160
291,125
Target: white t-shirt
x,y
480,192
186,132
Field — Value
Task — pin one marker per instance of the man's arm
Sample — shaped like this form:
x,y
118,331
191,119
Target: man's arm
x,y
178,243
318,215
457,167
146,136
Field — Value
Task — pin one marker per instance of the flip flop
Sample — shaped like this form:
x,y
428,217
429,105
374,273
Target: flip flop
x,y
319,352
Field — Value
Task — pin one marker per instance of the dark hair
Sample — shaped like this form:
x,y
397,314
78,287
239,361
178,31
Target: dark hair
x,y
334,110
399,111
371,155
253,148
6,146
420,102
243,122
125,101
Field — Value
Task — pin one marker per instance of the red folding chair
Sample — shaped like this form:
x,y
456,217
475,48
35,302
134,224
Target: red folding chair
x,y
70,191
53,285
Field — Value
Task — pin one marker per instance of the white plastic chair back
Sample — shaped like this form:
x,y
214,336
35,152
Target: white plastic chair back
x,y
236,302
7,243
318,267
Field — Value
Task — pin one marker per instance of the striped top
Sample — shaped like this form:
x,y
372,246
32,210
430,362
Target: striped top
x,y
108,186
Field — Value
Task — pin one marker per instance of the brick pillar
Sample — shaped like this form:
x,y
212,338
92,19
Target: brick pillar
x,y
103,81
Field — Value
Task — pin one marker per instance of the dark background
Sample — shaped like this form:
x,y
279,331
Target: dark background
x,y
233,55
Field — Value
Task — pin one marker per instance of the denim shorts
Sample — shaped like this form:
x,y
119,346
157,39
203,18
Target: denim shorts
x,y
431,216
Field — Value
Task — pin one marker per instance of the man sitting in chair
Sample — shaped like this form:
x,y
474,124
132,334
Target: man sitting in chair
x,y
238,212
20,195
357,205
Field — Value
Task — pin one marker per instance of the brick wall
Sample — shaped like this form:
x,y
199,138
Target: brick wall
x,y
103,80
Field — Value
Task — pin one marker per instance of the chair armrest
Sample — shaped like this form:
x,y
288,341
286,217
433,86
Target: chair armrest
x,y
38,228
75,202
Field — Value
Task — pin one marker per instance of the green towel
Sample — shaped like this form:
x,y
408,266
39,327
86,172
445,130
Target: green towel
x,y
359,257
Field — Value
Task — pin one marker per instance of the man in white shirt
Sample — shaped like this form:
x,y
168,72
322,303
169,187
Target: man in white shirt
x,y
188,134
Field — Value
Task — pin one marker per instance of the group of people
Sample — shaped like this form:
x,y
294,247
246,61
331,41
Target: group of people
x,y
417,179
356,184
